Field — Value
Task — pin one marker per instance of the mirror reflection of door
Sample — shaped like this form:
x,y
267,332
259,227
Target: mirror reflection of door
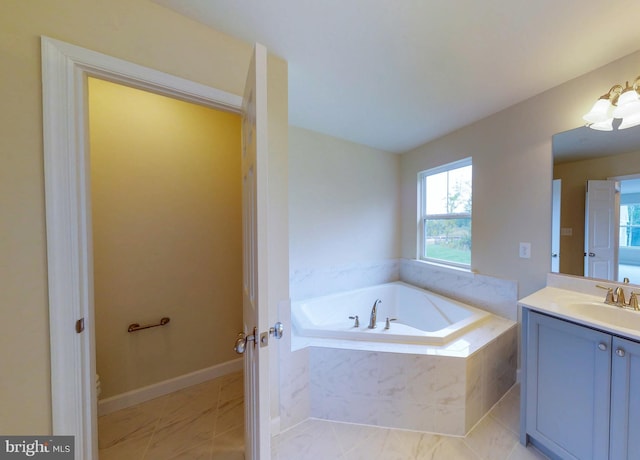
x,y
556,194
600,235
612,229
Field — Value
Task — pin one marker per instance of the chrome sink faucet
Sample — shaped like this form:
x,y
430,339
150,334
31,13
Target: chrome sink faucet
x,y
374,314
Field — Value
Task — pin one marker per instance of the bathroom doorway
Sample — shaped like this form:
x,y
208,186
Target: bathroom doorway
x,y
65,68
166,225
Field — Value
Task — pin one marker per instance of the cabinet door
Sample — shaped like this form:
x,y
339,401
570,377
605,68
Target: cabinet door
x,y
625,400
568,388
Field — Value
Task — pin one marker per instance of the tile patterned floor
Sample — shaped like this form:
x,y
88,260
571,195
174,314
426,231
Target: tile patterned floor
x,y
205,422
202,422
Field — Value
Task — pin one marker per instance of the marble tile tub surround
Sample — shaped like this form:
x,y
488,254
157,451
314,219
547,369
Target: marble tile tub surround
x,y
492,294
305,283
495,437
422,392
498,296
294,371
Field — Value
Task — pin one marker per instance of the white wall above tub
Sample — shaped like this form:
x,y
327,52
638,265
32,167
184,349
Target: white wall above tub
x,y
344,203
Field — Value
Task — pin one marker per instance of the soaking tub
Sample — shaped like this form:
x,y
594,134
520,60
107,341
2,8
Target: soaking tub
x,y
416,316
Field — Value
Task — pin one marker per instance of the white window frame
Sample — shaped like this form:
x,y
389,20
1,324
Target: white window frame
x,y
422,211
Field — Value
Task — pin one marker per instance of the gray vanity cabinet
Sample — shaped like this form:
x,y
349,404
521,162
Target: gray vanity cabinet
x,y
625,399
581,397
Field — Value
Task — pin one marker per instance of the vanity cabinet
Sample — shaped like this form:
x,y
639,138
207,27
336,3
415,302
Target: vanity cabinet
x,y
581,390
625,400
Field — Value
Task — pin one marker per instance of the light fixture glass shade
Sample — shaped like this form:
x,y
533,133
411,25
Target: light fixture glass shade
x,y
606,125
631,110
599,112
630,121
628,104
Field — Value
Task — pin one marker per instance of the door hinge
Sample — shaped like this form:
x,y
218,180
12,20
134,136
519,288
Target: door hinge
x,y
80,325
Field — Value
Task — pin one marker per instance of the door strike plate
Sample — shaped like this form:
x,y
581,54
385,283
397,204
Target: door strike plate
x,y
264,339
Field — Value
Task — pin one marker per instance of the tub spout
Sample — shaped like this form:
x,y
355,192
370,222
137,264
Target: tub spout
x,y
374,314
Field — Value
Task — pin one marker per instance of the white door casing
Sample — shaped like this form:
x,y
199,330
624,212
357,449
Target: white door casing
x,y
601,229
255,257
65,68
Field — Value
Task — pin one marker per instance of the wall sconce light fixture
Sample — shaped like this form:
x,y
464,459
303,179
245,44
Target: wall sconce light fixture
x,y
618,102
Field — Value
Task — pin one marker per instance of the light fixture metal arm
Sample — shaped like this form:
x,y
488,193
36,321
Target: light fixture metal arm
x,y
613,94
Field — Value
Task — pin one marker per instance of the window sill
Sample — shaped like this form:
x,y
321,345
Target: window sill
x,y
444,267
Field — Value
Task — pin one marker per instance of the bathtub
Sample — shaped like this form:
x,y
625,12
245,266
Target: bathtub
x,y
419,316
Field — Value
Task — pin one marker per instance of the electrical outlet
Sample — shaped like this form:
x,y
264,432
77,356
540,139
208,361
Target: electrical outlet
x,y
525,250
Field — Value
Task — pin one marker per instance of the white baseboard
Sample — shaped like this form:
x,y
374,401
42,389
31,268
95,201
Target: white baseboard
x,y
131,398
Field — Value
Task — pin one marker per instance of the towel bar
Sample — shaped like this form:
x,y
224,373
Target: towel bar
x,y
136,327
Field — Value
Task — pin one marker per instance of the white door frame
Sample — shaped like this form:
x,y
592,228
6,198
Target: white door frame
x,y
556,200
65,68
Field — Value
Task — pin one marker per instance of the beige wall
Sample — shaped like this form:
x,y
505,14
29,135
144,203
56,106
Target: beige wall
x,y
138,31
574,176
512,174
344,202
167,234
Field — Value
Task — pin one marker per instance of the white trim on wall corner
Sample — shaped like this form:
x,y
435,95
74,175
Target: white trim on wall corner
x,y
140,395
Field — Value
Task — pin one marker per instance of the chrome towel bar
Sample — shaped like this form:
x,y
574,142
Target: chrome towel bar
x,y
133,327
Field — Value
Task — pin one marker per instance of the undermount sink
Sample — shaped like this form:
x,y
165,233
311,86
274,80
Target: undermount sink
x,y
607,314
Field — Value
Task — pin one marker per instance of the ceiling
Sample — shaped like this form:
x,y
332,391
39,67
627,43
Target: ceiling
x,y
394,74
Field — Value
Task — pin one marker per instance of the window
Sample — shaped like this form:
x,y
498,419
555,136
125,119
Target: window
x,y
630,225
445,214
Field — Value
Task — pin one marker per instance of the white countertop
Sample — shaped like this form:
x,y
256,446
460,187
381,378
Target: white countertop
x,y
589,310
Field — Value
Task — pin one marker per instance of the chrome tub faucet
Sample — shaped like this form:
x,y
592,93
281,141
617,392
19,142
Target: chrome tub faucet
x,y
374,314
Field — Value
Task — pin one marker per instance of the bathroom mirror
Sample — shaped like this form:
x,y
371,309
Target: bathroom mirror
x,y
609,162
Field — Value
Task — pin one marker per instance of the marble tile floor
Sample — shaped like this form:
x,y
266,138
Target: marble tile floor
x,y
202,422
495,437
205,422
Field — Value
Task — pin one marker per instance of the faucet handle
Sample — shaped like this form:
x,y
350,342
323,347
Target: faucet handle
x,y
633,301
387,324
356,323
609,298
